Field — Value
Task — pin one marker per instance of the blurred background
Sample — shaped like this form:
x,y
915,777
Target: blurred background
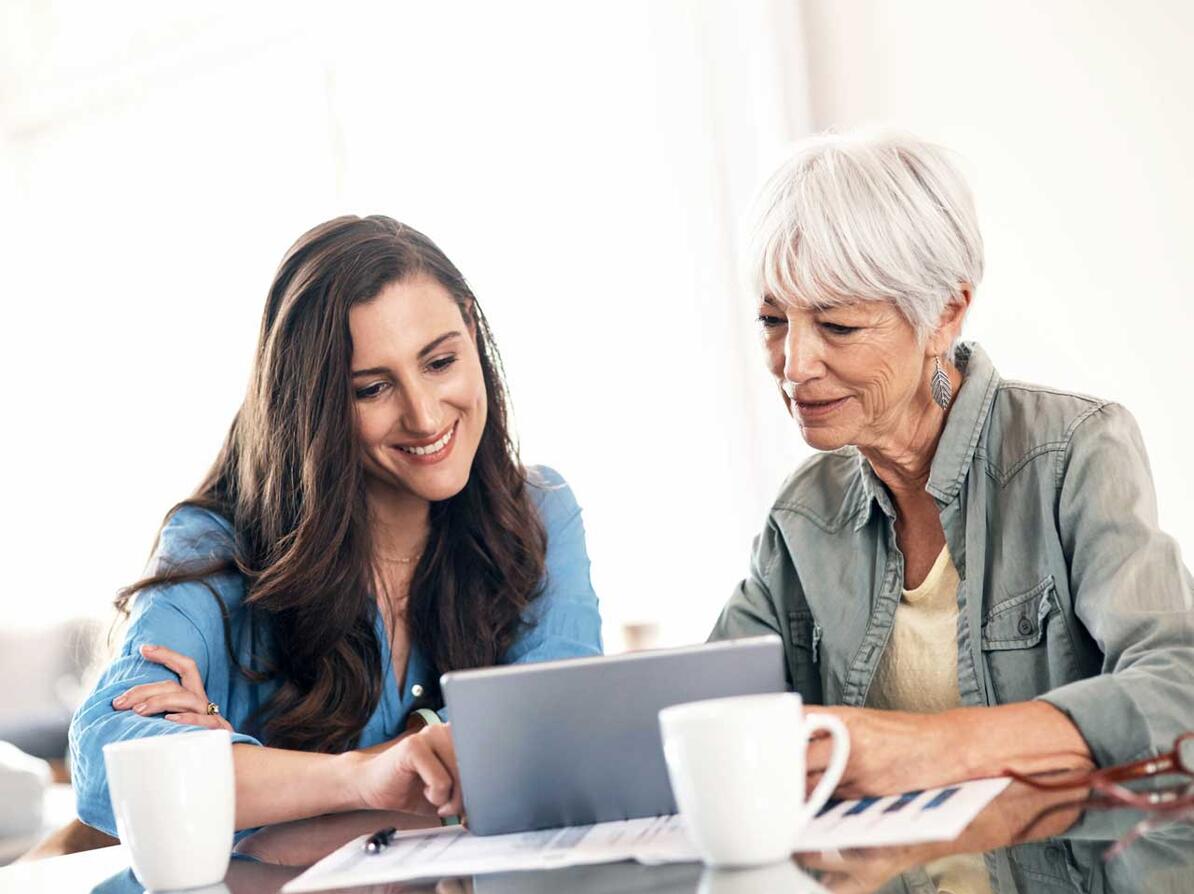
x,y
589,167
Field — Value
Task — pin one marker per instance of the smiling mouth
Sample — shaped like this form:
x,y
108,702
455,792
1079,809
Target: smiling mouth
x,y
436,446
814,408
814,404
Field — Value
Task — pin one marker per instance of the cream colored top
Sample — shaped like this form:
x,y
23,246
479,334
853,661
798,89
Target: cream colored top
x,y
919,669
919,672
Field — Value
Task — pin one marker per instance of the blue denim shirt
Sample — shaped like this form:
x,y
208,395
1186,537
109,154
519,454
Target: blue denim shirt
x,y
184,617
1069,592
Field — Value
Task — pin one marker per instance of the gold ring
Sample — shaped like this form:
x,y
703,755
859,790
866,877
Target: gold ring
x,y
213,710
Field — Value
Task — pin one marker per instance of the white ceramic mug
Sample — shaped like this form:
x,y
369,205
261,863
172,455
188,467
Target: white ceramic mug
x,y
174,797
737,768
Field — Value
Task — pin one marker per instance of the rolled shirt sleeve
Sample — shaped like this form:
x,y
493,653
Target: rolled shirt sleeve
x,y
1130,590
182,617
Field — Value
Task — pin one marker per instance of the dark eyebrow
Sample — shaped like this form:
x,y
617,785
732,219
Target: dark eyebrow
x,y
432,345
770,302
427,349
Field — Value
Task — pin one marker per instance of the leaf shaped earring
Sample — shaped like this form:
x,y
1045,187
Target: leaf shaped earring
x,y
943,392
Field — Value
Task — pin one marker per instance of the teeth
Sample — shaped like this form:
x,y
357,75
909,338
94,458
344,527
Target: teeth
x,y
431,448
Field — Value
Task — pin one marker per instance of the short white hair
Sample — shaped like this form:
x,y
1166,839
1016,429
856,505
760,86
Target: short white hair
x,y
870,216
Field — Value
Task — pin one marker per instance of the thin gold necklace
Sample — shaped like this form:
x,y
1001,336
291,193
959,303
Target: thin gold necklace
x,y
402,560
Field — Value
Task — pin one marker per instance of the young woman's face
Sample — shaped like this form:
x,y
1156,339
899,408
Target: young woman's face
x,y
420,393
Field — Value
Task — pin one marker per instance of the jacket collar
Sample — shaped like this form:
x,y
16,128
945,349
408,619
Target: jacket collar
x,y
955,450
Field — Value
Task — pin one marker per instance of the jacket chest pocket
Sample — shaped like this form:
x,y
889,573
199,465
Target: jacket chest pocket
x,y
804,634
1027,645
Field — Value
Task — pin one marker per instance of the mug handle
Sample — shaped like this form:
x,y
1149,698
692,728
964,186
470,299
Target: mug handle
x,y
837,761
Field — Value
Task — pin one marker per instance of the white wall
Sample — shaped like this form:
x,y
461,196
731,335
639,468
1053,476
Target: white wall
x,y
1073,118
587,167
583,165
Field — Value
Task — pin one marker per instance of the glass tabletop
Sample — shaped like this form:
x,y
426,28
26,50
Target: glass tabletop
x,y
1023,841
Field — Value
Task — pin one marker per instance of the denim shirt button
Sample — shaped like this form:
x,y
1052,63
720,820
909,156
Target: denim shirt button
x,y
417,690
1025,627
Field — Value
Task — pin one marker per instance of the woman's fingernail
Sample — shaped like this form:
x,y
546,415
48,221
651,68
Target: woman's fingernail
x,y
120,701
149,648
140,709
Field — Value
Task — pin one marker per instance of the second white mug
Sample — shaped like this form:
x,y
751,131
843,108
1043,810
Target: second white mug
x,y
737,768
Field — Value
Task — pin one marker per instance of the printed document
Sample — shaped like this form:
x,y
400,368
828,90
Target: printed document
x,y
451,851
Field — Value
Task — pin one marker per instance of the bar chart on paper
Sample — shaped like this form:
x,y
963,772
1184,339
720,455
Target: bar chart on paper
x,y
933,815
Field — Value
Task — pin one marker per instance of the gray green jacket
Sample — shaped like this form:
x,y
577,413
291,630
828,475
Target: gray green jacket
x,y
1069,591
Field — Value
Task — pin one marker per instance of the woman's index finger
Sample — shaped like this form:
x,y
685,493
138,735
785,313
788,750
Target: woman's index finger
x,y
183,665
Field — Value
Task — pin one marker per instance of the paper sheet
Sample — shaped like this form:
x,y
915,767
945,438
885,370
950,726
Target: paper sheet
x,y
453,851
938,814
934,815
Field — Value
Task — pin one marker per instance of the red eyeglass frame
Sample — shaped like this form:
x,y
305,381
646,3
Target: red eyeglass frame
x,y
1173,762
1108,792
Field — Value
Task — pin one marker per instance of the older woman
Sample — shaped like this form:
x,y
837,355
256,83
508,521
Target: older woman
x,y
978,558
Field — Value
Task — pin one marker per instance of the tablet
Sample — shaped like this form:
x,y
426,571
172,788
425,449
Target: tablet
x,y
569,743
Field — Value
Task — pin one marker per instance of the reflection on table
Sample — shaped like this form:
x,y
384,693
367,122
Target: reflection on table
x,y
1033,841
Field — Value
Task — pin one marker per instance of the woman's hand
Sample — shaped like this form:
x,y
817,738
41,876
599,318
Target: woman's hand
x,y
891,752
416,774
183,702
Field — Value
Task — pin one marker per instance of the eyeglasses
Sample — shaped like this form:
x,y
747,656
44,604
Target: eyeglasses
x,y
1107,790
1180,760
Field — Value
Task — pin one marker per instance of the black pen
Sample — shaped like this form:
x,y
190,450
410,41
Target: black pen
x,y
380,840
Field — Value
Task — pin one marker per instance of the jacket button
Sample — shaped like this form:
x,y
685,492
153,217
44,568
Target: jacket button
x,y
417,690
1025,627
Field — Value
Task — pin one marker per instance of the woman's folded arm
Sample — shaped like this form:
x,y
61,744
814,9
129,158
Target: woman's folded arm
x,y
176,616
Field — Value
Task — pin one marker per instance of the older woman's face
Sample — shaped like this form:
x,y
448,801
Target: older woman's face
x,y
854,374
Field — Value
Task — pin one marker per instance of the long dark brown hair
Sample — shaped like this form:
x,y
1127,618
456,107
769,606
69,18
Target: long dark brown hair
x,y
290,480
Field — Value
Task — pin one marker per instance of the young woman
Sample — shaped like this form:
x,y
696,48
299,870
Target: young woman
x,y
366,527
